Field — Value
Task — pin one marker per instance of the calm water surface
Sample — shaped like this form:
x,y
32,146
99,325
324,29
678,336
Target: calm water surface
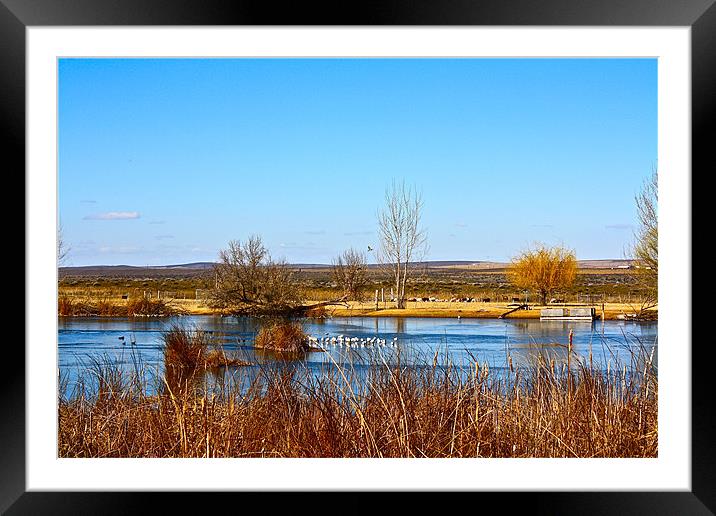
x,y
420,340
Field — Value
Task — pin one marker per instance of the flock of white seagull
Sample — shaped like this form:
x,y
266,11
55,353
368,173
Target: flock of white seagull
x,y
350,342
326,341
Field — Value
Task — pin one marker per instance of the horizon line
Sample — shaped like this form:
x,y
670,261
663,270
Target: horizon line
x,y
148,266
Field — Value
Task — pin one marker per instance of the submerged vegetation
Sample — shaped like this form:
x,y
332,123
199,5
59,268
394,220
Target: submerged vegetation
x,y
384,410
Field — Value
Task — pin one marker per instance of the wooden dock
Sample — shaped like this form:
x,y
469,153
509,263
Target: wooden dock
x,y
567,314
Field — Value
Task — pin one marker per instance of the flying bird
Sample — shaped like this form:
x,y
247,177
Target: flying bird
x,y
370,248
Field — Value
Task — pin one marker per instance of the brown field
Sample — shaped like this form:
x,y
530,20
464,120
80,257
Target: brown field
x,y
612,311
184,290
477,310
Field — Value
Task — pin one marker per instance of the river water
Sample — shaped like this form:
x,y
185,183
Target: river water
x,y
83,341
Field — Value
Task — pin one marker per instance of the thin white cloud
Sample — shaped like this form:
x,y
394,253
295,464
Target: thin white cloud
x,y
306,246
124,249
358,233
316,232
163,237
113,215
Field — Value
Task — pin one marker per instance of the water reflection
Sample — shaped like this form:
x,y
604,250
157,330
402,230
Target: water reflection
x,y
419,341
532,354
269,355
399,325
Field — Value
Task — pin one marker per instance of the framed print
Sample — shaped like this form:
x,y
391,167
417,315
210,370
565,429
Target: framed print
x,y
412,251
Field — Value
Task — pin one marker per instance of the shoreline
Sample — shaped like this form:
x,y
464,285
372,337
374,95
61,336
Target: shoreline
x,y
446,310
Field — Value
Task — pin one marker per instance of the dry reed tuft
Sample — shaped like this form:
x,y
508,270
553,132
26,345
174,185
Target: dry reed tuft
x,y
185,348
384,411
191,350
104,307
219,358
282,336
149,307
65,306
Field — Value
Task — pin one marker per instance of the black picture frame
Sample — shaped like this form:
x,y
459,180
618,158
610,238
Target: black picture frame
x,y
700,15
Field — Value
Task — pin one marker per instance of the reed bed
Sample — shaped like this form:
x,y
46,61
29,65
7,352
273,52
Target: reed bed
x,y
282,336
103,307
383,410
190,351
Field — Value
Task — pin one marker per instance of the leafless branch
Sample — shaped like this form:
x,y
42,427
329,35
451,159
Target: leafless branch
x,y
350,272
402,240
63,250
249,281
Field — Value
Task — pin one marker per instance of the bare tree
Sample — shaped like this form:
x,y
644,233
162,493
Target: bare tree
x,y
646,247
63,249
249,281
403,241
543,269
350,273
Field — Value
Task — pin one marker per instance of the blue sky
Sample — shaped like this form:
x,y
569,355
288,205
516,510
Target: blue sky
x,y
163,161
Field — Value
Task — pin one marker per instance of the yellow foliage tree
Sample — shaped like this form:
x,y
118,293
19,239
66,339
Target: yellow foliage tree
x,y
543,269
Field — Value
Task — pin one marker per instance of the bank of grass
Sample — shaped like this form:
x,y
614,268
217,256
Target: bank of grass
x,y
608,285
282,336
98,306
188,351
385,411
477,310
102,307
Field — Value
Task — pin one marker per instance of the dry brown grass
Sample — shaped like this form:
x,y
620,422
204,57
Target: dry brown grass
x,y
68,306
319,312
65,306
192,350
477,310
388,411
282,336
149,307
81,306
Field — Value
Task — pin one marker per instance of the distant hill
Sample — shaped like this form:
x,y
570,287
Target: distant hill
x,y
196,268
604,264
194,265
